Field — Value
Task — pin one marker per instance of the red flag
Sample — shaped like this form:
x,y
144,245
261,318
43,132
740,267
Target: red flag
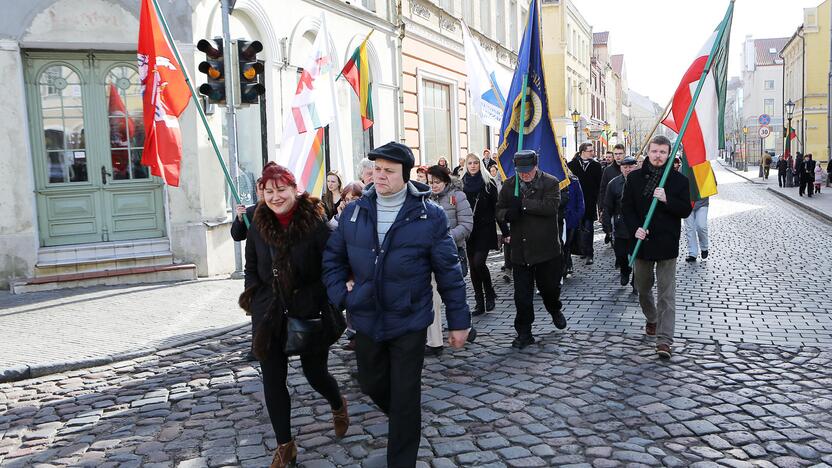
x,y
165,96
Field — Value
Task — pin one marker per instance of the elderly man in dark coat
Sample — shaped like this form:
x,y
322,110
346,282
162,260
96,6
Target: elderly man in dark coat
x,y
534,240
589,172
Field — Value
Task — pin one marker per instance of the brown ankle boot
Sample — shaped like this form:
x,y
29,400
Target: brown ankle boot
x,y
341,419
285,455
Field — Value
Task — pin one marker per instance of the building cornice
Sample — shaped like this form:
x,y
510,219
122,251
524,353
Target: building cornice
x,y
358,14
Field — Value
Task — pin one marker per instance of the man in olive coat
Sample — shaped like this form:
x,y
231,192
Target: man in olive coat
x,y
534,240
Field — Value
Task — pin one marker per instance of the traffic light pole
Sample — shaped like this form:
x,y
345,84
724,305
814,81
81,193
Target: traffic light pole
x,y
231,126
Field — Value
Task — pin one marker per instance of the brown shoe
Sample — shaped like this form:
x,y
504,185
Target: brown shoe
x,y
285,455
341,419
663,351
650,329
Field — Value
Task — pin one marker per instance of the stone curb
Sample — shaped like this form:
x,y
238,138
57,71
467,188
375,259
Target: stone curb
x,y
24,372
789,199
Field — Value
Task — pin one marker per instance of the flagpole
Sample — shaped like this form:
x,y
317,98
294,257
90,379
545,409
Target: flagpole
x,y
521,132
175,50
683,129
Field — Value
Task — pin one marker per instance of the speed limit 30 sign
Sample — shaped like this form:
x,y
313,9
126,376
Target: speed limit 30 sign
x,y
764,132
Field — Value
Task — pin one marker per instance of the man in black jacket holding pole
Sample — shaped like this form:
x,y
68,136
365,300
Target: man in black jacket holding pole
x,y
535,242
656,261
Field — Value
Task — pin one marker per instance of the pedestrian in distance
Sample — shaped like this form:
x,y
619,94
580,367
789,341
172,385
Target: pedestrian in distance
x,y
820,176
365,170
589,172
422,174
448,194
612,171
283,280
332,194
798,174
612,219
443,161
829,172
766,166
782,169
459,170
487,160
535,247
392,240
481,191
494,172
696,230
807,176
656,259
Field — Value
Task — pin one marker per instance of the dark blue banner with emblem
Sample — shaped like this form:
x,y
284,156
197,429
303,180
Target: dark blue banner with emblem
x,y
539,129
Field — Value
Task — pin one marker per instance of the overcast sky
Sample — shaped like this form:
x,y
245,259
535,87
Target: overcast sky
x,y
659,38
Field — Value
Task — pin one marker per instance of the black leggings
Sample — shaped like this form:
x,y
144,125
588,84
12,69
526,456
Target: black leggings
x,y
278,403
480,276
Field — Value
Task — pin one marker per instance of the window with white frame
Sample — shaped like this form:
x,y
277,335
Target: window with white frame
x,y
512,17
485,17
437,138
468,13
501,22
769,84
369,4
768,106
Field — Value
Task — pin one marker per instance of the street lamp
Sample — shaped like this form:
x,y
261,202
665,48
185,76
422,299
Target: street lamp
x,y
787,147
745,149
576,117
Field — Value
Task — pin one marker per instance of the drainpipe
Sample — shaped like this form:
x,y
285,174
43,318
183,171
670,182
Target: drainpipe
x,y
803,95
399,22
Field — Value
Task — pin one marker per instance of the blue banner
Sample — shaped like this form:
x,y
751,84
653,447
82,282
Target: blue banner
x,y
539,128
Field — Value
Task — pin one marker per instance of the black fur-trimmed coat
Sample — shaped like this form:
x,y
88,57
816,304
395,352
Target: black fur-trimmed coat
x,y
297,250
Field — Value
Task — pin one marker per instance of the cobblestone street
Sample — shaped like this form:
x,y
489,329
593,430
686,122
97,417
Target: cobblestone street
x,y
749,384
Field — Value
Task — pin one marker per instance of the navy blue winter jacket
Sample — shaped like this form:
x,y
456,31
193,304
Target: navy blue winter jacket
x,y
392,295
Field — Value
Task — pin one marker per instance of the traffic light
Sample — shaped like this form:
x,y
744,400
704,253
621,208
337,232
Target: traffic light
x,y
250,68
214,68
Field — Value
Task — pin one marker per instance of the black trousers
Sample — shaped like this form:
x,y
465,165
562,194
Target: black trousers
x,y
807,185
390,372
480,275
586,237
571,238
278,402
547,276
622,248
781,179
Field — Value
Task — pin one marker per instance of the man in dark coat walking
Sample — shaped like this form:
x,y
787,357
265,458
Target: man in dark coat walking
x,y
535,242
807,176
378,265
612,171
589,172
782,167
613,220
660,243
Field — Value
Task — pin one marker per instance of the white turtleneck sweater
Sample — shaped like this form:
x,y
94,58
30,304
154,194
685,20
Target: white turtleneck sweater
x,y
387,209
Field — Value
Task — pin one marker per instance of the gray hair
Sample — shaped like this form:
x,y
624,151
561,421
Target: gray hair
x,y
365,164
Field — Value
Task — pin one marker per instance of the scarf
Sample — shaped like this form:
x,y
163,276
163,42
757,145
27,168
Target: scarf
x,y
652,175
472,185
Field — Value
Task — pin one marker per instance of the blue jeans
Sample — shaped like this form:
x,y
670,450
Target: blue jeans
x,y
696,229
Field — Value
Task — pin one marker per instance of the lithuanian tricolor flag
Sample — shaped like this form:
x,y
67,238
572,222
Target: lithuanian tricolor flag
x,y
357,73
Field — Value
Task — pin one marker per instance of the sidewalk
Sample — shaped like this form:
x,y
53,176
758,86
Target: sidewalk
x,y
819,204
47,332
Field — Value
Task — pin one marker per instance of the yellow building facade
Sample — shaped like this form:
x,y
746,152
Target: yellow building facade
x,y
806,80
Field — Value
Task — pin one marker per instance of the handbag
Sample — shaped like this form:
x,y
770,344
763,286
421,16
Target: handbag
x,y
307,335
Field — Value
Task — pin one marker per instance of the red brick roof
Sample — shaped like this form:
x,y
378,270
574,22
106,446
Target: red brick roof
x,y
763,50
600,38
617,62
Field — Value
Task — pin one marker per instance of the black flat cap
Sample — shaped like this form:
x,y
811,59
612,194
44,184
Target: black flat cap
x,y
525,161
628,161
396,152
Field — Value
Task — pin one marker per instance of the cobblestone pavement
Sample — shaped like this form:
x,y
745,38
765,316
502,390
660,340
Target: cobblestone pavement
x,y
578,399
56,328
750,383
767,278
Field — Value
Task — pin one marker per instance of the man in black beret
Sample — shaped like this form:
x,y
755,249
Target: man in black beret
x,y
534,240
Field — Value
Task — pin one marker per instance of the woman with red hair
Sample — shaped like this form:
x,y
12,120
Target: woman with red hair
x,y
283,279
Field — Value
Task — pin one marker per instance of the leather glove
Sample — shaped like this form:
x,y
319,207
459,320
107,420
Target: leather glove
x,y
515,209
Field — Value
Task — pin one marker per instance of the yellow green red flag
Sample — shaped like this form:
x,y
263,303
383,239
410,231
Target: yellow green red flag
x,y
357,73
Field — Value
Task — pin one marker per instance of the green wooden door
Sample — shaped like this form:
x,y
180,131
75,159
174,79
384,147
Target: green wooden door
x,y
87,137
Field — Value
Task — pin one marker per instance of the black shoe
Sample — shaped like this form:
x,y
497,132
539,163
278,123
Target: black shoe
x,y
435,351
506,278
489,301
559,320
479,309
704,254
589,261
690,258
250,357
472,335
625,278
617,265
569,273
522,341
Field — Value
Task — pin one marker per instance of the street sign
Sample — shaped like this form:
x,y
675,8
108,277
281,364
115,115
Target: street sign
x,y
764,119
764,132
